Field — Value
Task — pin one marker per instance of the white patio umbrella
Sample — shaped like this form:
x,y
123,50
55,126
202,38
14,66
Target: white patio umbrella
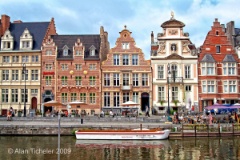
x,y
130,103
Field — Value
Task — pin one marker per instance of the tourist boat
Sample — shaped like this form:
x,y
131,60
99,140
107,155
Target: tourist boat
x,y
123,134
162,144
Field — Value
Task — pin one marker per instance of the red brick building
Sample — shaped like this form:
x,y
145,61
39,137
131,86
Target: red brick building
x,y
126,75
71,69
218,72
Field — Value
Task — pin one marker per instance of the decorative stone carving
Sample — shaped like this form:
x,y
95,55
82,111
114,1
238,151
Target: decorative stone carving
x,y
162,46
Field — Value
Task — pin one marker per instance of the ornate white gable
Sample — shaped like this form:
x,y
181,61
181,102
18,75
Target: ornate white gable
x,y
7,41
26,40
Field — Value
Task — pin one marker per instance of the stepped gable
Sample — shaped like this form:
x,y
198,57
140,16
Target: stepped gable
x,y
70,40
36,29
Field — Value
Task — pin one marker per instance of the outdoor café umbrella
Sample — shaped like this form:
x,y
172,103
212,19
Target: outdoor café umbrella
x,y
130,103
52,103
216,106
75,103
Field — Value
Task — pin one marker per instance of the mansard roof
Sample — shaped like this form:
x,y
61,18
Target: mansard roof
x,y
70,40
38,31
229,58
208,58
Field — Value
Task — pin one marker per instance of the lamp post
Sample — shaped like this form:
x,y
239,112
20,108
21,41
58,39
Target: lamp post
x,y
169,72
24,73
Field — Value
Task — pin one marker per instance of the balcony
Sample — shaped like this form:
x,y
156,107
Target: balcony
x,y
126,87
176,80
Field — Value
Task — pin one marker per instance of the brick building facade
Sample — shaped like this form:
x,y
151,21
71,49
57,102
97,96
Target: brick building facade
x,y
71,70
126,75
218,69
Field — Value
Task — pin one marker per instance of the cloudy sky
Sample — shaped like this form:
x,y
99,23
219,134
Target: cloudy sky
x,y
140,16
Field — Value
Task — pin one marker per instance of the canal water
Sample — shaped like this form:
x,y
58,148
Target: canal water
x,y
46,147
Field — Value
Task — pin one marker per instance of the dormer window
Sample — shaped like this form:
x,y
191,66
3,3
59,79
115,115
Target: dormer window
x,y
125,45
65,50
26,40
92,50
7,41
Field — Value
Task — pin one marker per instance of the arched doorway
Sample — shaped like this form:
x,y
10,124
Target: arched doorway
x,y
34,103
144,101
45,107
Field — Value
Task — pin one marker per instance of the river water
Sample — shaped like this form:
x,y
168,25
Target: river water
x,y
46,147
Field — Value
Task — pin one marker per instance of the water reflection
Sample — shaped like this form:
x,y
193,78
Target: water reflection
x,y
182,149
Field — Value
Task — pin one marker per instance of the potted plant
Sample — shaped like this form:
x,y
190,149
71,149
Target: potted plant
x,y
175,102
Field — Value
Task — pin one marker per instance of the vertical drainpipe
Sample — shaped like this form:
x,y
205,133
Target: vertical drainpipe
x,y
152,82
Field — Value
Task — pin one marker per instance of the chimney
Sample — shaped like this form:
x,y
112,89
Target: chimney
x,y
152,37
5,24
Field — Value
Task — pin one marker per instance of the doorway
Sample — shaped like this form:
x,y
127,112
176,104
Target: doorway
x,y
144,101
34,103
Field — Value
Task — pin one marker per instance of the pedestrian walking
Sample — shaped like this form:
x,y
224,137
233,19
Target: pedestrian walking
x,y
147,111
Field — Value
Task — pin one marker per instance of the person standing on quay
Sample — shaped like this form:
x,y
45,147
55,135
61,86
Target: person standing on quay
x,y
147,111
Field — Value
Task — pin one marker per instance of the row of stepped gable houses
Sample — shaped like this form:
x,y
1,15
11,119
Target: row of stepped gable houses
x,y
84,68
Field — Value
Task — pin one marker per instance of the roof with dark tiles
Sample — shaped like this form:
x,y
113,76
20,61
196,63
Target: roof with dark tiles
x,y
208,58
37,29
70,40
229,58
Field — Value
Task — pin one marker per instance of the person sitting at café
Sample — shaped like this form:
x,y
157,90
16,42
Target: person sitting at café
x,y
111,113
102,114
48,113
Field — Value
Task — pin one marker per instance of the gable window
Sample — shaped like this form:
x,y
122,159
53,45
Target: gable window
x,y
116,79
229,68
161,92
160,71
218,49
187,71
92,50
48,52
6,59
78,52
125,46
26,40
64,80
125,59
65,52
135,79
7,41
15,59
115,59
106,99
134,59
106,79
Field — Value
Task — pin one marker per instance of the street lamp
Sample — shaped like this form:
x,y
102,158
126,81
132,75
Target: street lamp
x,y
24,73
169,72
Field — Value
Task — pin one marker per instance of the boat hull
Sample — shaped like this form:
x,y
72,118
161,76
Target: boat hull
x,y
134,135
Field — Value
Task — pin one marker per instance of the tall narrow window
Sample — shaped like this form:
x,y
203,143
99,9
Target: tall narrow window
x,y
125,79
73,97
106,99
116,59
144,79
5,75
14,95
134,59
25,59
92,98
64,80
64,98
34,75
135,79
24,95
125,46
160,71
48,80
83,97
92,81
15,59
4,95
78,80
35,58
174,93
116,99
135,97
218,49
25,75
125,59
106,79
15,75
161,92
116,79
6,59
125,97
187,71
